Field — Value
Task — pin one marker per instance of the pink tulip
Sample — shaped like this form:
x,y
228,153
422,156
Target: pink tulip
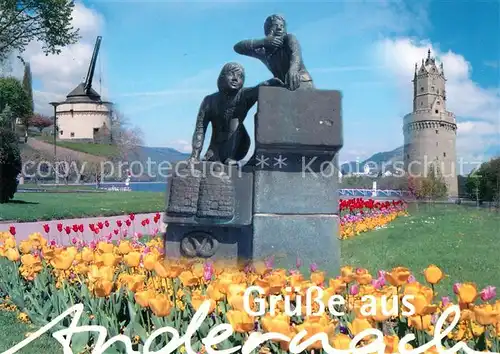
x,y
456,286
445,300
298,263
488,293
313,267
354,290
411,279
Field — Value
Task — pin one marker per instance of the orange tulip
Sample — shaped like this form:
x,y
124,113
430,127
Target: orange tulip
x,y
241,321
397,276
12,255
132,259
467,293
160,305
433,274
149,260
143,297
187,278
102,288
197,299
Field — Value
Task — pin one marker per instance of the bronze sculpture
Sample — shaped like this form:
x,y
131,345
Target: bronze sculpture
x,y
226,110
280,52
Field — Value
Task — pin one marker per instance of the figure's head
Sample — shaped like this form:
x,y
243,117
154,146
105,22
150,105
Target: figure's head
x,y
231,77
275,25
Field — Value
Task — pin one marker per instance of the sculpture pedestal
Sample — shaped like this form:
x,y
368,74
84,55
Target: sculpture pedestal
x,y
282,204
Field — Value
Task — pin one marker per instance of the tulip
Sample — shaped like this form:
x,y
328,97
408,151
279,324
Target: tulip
x,y
46,228
433,274
488,293
467,293
12,230
132,259
160,305
241,321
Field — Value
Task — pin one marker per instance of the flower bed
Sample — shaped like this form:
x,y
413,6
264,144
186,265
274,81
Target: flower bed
x,y
129,289
361,215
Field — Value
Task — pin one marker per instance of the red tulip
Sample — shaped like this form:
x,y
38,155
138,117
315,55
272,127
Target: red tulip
x,y
92,227
67,229
60,227
80,228
147,221
75,228
132,216
12,230
100,225
143,222
106,223
119,223
116,231
46,228
128,222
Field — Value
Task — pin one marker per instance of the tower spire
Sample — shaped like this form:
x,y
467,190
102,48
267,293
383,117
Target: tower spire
x,y
429,54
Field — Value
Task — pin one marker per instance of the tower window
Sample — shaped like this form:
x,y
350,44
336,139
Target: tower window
x,y
437,131
433,88
444,154
72,134
407,156
436,111
61,132
421,89
421,103
438,103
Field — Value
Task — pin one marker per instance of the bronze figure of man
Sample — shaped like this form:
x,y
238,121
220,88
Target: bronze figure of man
x,y
280,52
226,110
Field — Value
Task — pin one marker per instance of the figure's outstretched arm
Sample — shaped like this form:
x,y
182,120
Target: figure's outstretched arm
x,y
251,94
202,122
250,47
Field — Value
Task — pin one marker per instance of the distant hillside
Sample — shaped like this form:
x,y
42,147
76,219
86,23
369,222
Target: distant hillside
x,y
158,157
381,160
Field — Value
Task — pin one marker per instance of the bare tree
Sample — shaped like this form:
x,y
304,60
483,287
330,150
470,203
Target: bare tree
x,y
128,138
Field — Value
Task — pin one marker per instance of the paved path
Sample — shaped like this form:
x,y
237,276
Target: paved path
x,y
24,229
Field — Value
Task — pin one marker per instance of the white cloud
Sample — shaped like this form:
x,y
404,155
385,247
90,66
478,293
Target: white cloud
x,y
477,108
59,74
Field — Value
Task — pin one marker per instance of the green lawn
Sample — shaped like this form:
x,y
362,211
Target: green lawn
x,y
47,206
59,187
13,332
104,150
463,241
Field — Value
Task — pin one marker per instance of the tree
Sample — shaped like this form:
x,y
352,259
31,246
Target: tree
x,y
431,187
126,137
13,94
46,21
28,87
7,118
10,164
40,121
485,181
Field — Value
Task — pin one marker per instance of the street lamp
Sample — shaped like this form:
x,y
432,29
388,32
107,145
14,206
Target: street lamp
x,y
55,104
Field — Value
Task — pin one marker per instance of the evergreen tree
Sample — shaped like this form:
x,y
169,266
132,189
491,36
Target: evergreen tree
x,y
28,88
10,157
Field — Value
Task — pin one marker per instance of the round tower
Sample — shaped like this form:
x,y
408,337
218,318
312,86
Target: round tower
x,y
430,130
84,116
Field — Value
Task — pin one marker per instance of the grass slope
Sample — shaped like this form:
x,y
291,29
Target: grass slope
x,y
48,206
103,150
462,241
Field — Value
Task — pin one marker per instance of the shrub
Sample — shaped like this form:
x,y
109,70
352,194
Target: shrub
x,y
10,164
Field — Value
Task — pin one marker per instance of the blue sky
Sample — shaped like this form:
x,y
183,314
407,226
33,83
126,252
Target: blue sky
x,y
159,58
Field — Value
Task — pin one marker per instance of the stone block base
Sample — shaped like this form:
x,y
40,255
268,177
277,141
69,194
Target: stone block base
x,y
311,238
210,242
